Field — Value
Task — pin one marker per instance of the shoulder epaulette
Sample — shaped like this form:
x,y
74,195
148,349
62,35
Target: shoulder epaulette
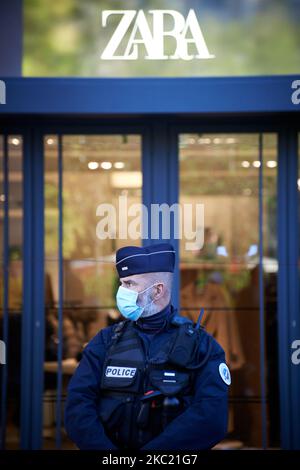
x,y
118,328
178,320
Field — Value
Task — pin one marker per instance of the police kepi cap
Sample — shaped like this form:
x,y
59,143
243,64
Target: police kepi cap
x,y
139,260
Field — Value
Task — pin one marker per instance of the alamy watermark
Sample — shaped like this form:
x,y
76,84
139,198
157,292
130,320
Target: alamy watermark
x,y
296,94
162,221
296,353
2,353
2,92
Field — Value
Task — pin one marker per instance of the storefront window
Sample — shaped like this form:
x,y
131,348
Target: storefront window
x,y
222,172
11,282
97,169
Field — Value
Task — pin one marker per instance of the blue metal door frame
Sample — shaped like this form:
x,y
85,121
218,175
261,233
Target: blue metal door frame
x,y
32,367
32,338
159,109
288,286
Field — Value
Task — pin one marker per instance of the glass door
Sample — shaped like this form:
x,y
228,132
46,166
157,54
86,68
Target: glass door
x,y
11,285
89,182
232,268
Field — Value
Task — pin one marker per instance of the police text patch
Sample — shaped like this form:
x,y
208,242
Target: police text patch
x,y
120,372
224,373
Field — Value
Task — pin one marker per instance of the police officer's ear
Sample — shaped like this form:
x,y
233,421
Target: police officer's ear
x,y
159,290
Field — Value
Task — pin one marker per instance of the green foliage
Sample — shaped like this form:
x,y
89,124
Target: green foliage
x,y
65,39
74,227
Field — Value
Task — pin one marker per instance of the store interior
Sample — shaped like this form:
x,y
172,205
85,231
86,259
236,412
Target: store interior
x,y
222,271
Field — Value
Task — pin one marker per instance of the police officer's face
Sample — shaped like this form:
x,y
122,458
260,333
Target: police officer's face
x,y
137,282
140,282
150,289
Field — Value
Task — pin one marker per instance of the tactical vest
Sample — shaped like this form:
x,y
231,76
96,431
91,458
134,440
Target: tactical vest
x,y
141,395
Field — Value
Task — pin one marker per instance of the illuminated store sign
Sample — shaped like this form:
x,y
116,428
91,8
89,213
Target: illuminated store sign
x,y
135,24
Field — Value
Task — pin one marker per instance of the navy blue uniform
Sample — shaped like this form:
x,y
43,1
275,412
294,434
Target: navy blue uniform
x,y
201,425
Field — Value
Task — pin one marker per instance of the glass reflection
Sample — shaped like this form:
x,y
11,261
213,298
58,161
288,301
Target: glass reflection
x,y
97,169
14,269
221,171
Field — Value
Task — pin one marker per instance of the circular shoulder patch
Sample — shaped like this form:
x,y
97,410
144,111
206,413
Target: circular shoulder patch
x,y
225,373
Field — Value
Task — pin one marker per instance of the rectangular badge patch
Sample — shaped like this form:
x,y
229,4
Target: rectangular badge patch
x,y
120,372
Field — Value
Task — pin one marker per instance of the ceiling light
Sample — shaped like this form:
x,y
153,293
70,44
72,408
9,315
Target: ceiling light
x,y
106,165
126,179
245,164
271,164
119,165
93,165
256,163
15,141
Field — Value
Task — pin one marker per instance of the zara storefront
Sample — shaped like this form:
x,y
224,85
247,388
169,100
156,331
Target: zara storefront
x,y
231,144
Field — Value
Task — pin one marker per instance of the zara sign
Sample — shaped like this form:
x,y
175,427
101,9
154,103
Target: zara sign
x,y
133,30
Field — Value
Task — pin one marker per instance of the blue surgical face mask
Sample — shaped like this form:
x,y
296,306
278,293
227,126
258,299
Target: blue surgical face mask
x,y
127,302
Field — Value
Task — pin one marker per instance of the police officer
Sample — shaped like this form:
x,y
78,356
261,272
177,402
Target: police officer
x,y
154,381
